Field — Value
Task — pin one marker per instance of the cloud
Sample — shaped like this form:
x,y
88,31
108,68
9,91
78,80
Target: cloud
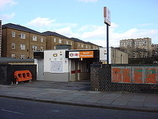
x,y
4,3
67,31
6,17
88,0
93,33
133,33
41,22
47,23
97,34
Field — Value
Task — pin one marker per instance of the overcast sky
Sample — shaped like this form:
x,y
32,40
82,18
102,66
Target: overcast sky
x,y
84,19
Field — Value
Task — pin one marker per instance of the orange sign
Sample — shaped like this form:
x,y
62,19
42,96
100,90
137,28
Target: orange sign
x,y
86,54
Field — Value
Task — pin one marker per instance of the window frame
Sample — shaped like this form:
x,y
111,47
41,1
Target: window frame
x,y
22,46
12,45
34,48
34,38
23,36
13,33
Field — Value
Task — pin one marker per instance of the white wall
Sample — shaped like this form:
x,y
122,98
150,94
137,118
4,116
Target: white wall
x,y
56,65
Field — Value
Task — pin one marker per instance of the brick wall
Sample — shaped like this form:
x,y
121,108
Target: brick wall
x,y
101,81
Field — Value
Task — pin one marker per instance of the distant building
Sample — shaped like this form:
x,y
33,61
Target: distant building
x,y
142,43
21,42
137,48
154,50
116,56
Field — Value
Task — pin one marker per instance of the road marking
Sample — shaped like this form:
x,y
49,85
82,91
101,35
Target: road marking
x,y
12,111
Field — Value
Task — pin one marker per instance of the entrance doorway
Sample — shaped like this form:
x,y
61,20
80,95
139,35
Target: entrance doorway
x,y
80,69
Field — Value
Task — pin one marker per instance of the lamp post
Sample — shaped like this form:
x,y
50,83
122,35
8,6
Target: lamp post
x,y
108,23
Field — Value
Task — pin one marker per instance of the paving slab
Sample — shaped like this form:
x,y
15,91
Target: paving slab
x,y
113,100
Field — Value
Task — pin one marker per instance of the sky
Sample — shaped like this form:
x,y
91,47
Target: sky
x,y
84,19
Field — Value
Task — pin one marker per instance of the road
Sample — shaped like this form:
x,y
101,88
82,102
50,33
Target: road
x,y
24,109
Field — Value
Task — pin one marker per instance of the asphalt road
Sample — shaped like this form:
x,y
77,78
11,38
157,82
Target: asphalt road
x,y
24,109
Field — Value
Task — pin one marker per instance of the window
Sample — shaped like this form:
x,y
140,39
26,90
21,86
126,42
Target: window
x,y
13,55
60,41
41,39
41,49
34,38
22,56
13,45
22,36
34,48
67,42
54,39
22,46
13,34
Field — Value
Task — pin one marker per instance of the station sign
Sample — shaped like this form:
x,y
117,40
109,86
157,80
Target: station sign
x,y
107,16
81,54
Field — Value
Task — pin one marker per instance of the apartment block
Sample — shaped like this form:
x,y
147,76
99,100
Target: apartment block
x,y
142,43
21,42
137,48
154,50
54,39
80,44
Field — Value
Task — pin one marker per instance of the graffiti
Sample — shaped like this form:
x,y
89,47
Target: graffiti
x,y
138,75
151,75
132,74
116,73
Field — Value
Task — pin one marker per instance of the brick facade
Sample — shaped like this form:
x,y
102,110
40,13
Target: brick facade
x,y
21,42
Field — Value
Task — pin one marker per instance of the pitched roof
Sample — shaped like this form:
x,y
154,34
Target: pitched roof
x,y
77,40
54,34
19,27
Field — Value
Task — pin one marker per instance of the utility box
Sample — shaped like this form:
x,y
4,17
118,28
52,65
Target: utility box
x,y
56,66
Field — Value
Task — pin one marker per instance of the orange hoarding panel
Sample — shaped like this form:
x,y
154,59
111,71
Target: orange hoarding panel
x,y
86,54
138,75
151,75
116,75
126,75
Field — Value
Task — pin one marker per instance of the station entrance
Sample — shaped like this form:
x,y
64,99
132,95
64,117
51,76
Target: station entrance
x,y
66,65
80,63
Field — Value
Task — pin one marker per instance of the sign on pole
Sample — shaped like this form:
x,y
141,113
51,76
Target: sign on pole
x,y
107,16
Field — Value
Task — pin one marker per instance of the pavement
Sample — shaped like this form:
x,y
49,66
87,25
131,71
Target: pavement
x,y
79,94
